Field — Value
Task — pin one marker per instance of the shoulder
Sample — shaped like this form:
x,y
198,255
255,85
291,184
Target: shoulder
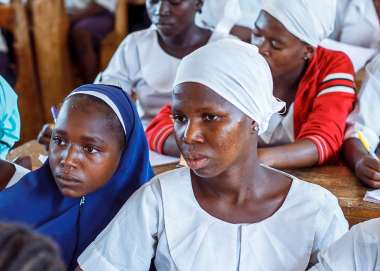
x,y
334,60
368,231
139,36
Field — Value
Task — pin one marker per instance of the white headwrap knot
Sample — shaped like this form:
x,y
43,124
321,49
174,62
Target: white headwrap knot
x,y
237,72
309,20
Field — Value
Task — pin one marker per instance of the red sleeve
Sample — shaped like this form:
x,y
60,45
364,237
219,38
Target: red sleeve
x,y
326,123
159,129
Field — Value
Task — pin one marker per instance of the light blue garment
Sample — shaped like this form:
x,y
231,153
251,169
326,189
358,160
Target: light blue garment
x,y
9,118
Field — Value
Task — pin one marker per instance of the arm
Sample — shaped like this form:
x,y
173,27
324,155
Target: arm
x,y
302,153
160,133
242,32
366,168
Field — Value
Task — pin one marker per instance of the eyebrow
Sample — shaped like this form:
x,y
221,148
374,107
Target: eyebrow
x,y
91,139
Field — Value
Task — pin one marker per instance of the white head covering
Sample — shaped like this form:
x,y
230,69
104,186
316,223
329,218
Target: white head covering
x,y
237,72
309,20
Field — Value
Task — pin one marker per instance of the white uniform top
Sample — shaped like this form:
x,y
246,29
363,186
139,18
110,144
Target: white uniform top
x,y
142,67
357,250
366,115
82,4
357,23
280,130
222,15
164,220
19,173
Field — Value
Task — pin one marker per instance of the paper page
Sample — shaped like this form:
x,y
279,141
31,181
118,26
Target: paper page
x,y
157,159
358,55
372,196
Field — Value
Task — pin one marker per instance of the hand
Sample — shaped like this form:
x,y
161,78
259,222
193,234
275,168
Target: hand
x,y
45,135
367,169
24,161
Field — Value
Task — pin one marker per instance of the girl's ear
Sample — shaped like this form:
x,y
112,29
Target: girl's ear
x,y
309,52
199,5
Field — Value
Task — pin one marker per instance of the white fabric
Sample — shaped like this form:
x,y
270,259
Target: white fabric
x,y
357,23
19,173
3,44
163,219
357,250
141,67
237,72
366,115
309,20
82,4
222,15
280,130
105,99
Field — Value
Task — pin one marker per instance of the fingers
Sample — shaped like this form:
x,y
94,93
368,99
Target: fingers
x,y
45,135
368,171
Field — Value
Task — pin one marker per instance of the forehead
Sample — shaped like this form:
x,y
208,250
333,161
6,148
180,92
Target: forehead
x,y
198,97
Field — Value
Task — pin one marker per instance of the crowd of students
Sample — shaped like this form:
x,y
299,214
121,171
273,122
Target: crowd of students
x,y
236,88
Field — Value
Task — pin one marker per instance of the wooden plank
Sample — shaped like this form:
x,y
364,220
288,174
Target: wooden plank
x,y
26,84
50,31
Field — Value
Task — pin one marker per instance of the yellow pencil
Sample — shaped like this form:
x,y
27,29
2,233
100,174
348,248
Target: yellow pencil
x,y
365,143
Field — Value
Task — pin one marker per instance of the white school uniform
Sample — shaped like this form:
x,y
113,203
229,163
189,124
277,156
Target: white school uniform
x,y
222,15
82,4
357,23
141,67
164,220
357,250
19,173
366,115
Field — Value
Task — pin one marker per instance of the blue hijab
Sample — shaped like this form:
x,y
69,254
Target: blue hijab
x,y
72,222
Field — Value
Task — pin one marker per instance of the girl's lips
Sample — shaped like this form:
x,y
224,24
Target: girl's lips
x,y
197,163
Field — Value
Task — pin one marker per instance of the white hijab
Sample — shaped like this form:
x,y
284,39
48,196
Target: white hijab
x,y
237,72
309,20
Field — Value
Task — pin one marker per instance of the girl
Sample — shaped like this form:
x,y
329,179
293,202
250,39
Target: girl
x,y
9,118
98,157
91,21
227,211
317,85
365,118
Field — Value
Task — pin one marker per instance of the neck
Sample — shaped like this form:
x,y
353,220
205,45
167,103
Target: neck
x,y
286,85
239,183
187,38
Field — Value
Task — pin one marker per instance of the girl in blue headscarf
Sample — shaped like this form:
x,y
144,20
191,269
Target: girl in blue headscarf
x,y
98,157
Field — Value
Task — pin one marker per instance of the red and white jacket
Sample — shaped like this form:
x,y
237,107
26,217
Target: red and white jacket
x,y
325,97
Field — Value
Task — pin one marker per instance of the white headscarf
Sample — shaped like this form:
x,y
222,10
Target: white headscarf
x,y
237,72
309,20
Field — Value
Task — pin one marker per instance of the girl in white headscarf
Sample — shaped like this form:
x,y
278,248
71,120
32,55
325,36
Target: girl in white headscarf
x,y
317,85
225,212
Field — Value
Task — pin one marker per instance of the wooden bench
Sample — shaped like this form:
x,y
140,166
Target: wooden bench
x,y
13,17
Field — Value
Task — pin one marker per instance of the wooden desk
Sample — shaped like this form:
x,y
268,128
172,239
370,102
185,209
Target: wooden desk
x,y
337,179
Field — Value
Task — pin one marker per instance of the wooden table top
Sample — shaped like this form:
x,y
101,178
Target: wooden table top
x,y
337,179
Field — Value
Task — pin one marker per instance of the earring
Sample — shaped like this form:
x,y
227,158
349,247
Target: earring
x,y
305,58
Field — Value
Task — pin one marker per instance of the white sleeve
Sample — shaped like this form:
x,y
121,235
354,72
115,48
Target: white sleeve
x,y
129,241
366,115
122,67
107,4
331,225
357,250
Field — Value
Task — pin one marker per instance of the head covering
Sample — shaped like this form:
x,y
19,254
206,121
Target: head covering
x,y
237,72
37,201
309,20
9,118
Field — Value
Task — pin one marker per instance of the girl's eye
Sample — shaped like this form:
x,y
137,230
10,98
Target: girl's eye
x,y
58,141
175,2
179,118
275,45
90,149
211,117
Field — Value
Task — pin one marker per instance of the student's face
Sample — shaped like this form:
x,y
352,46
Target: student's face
x,y
211,133
283,51
83,154
172,17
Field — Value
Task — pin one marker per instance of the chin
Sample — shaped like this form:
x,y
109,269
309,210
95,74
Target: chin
x,y
70,193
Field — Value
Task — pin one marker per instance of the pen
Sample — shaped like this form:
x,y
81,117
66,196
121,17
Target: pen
x,y
365,143
54,113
